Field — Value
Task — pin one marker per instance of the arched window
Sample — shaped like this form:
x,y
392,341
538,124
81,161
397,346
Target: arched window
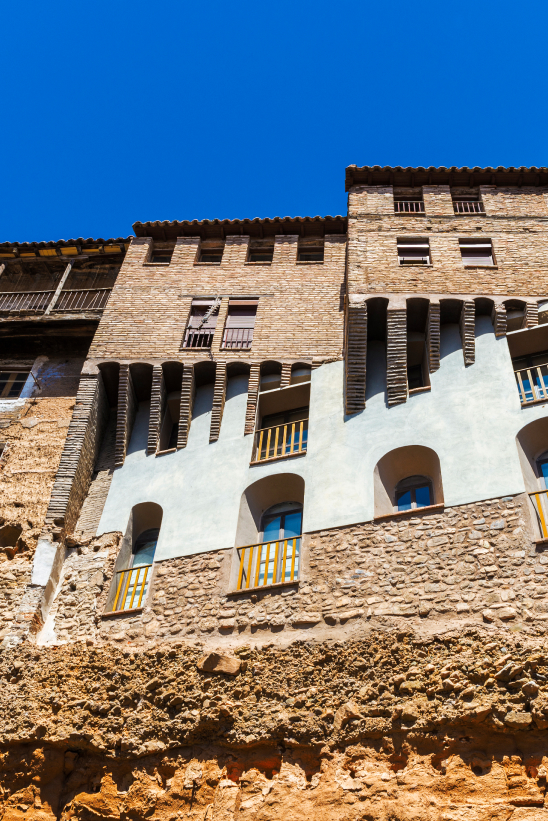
x,y
282,521
413,492
133,582
542,467
145,547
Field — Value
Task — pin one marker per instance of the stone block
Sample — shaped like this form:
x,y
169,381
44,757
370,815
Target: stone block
x,y
219,663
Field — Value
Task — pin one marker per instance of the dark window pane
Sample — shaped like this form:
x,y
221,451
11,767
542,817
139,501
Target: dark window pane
x,y
404,500
311,256
261,256
422,496
292,524
414,376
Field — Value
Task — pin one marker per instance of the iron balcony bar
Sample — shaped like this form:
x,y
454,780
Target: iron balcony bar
x,y
237,338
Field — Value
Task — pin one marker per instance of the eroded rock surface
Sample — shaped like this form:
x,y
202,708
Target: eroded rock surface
x,y
393,726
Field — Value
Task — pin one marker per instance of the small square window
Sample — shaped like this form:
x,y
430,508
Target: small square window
x,y
261,253
161,253
413,252
12,383
310,251
211,255
477,252
467,202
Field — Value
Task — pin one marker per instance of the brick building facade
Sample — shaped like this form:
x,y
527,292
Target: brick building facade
x,y
258,431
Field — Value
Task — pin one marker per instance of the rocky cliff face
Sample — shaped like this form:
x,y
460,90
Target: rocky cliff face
x,y
392,726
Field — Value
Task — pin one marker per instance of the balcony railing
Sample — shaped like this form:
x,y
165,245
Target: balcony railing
x,y
131,587
238,338
408,207
540,503
26,301
532,384
198,338
94,299
281,441
468,207
269,563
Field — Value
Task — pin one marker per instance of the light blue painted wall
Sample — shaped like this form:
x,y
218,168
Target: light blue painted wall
x,y
470,418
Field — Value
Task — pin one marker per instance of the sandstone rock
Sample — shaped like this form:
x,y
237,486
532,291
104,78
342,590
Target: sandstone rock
x,y
518,721
347,712
219,663
531,688
488,616
305,618
506,613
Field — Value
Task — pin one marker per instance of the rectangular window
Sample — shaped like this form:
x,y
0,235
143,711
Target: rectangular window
x,y
261,253
240,322
202,323
476,251
310,250
211,254
414,205
467,202
11,383
414,252
161,253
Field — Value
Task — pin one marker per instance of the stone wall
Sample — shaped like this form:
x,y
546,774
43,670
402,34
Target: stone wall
x,y
470,564
514,222
300,311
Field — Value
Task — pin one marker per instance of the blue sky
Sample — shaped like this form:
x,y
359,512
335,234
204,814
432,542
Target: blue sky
x,y
116,112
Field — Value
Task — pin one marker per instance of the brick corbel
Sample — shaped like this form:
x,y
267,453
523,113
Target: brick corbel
x,y
396,356
467,325
158,398
355,354
186,405
126,413
252,398
499,319
286,375
433,337
219,396
531,315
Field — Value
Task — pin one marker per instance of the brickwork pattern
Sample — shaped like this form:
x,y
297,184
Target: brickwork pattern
x,y
95,501
219,395
467,326
499,320
299,313
157,407
356,356
127,411
515,220
187,402
252,398
433,336
89,420
396,356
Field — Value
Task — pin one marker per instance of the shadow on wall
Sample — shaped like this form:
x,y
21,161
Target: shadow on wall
x,y
532,444
399,464
261,495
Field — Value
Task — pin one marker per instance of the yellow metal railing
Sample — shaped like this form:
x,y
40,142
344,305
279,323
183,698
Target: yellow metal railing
x,y
532,384
269,563
131,586
282,440
540,503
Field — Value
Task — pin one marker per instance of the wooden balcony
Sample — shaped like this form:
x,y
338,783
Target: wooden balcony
x,y
532,384
131,587
38,302
31,302
269,563
280,442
